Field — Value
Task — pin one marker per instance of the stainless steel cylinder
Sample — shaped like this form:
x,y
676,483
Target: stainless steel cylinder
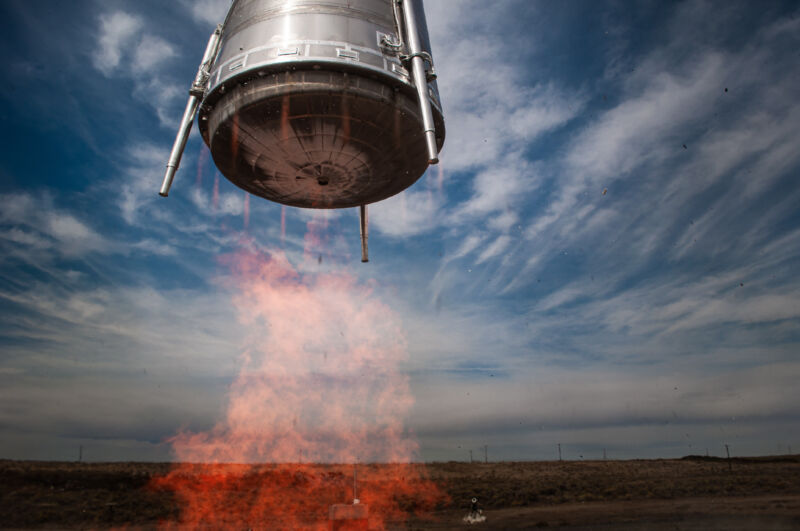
x,y
309,103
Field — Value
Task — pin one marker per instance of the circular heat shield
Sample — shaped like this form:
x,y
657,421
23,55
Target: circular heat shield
x,y
317,139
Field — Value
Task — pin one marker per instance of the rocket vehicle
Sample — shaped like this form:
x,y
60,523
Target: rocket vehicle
x,y
318,103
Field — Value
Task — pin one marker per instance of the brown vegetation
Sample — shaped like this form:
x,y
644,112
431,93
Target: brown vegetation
x,y
500,485
39,494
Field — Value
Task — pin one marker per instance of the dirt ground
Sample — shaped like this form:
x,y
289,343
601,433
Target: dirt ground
x,y
691,514
691,494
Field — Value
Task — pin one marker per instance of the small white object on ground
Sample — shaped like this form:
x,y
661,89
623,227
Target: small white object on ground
x,y
474,518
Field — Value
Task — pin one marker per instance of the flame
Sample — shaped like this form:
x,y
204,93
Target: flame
x,y
320,389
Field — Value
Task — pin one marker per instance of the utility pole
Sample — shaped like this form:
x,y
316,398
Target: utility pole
x,y
728,451
470,456
559,451
80,453
604,454
485,453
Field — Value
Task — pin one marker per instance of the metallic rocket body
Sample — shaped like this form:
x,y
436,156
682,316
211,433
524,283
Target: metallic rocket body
x,y
320,104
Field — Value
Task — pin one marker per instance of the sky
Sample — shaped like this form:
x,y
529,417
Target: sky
x,y
606,257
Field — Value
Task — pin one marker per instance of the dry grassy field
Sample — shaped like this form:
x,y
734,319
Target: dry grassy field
x,y
690,493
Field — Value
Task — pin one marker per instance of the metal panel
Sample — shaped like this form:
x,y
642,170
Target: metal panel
x,y
256,24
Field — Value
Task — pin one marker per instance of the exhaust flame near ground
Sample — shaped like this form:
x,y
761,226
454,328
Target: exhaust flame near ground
x,y
319,390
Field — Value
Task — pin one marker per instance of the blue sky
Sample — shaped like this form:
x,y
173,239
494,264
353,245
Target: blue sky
x,y
605,258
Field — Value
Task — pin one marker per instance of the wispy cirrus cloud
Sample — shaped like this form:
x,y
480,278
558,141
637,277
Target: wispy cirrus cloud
x,y
490,121
211,12
126,49
34,224
116,32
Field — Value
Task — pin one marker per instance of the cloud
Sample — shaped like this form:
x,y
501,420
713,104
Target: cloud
x,y
601,398
503,221
117,31
640,127
232,204
501,187
37,226
73,236
102,366
414,211
125,50
151,52
675,159
210,12
145,162
492,120
37,231
491,116
505,383
493,249
468,244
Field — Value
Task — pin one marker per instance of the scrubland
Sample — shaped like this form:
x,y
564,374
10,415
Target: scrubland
x,y
689,493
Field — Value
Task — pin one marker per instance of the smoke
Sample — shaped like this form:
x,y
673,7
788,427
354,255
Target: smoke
x,y
319,390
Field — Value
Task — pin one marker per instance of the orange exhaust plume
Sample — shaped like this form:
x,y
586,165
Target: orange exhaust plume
x,y
316,238
246,210
202,160
319,390
215,194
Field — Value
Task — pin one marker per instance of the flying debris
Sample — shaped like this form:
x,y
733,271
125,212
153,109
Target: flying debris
x,y
318,104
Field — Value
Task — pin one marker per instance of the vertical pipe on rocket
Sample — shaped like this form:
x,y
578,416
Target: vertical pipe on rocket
x,y
179,145
420,79
427,115
195,94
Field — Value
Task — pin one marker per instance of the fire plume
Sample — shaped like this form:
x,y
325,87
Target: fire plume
x,y
319,390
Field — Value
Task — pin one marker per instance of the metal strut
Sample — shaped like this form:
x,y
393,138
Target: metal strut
x,y
196,93
416,53
364,233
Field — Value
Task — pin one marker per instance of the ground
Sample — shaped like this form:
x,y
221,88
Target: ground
x,y
692,493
